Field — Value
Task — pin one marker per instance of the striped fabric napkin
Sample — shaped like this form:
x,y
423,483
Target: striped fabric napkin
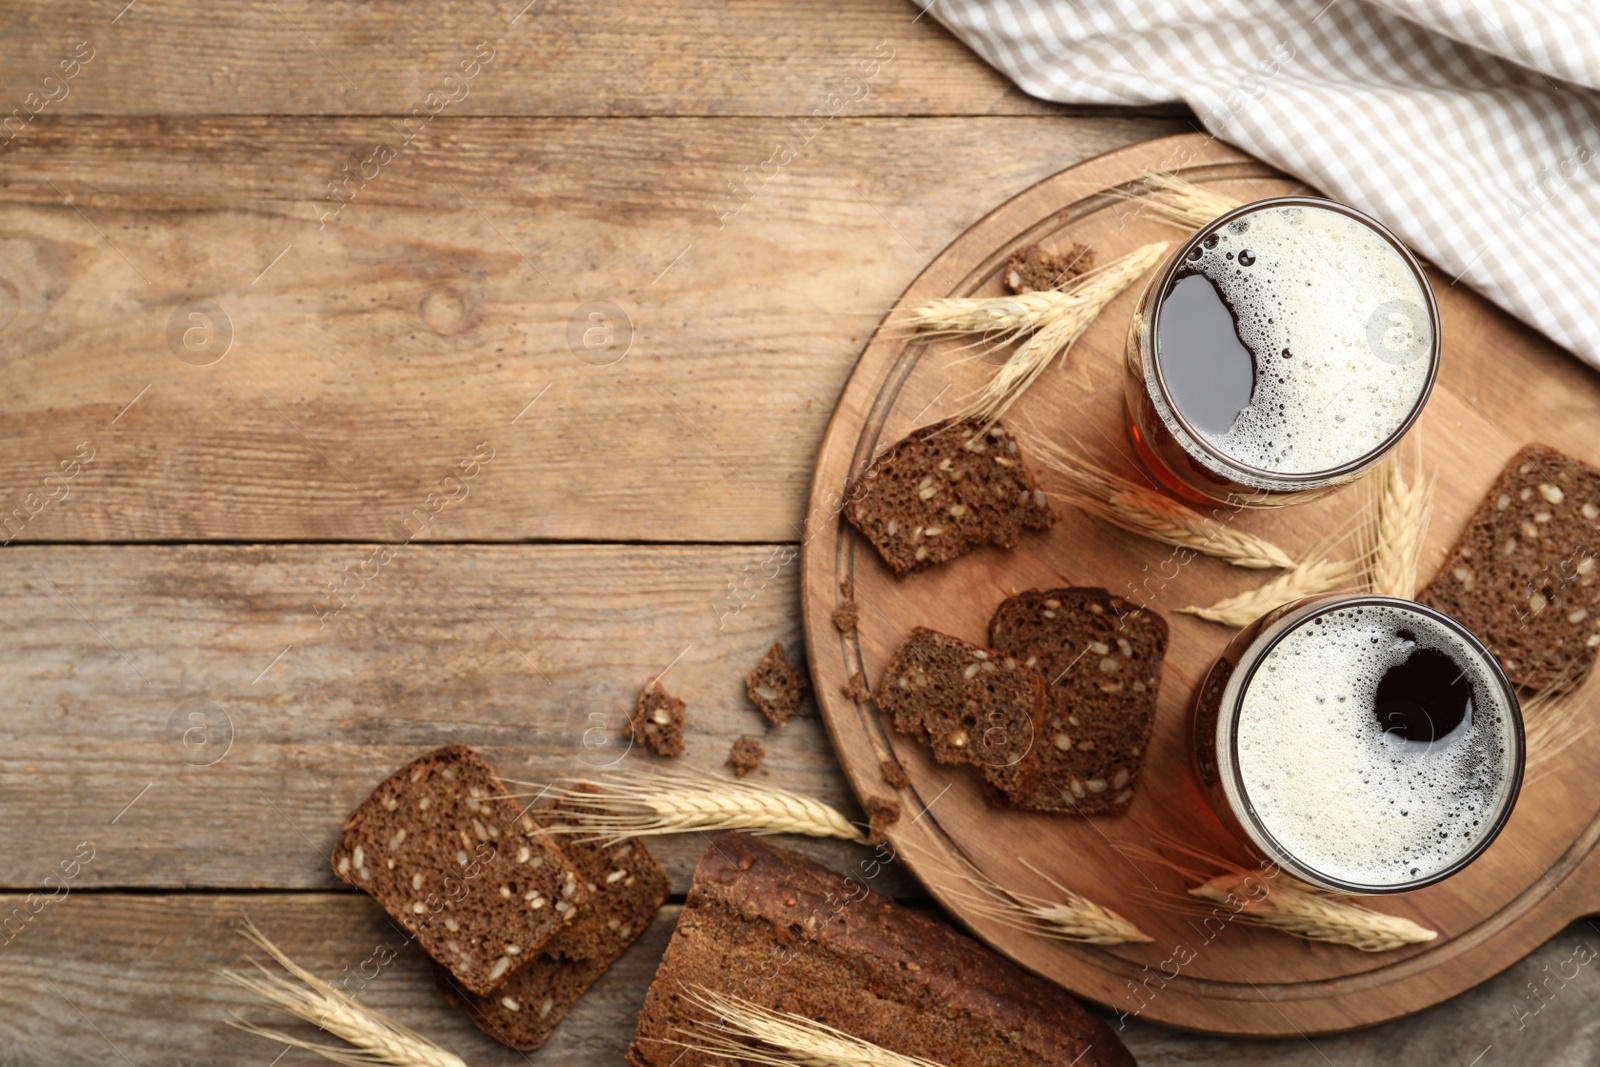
x,y
1466,126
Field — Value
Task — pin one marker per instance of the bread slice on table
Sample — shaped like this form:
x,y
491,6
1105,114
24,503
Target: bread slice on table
x,y
627,888
944,491
1101,661
770,926
968,704
453,860
1524,576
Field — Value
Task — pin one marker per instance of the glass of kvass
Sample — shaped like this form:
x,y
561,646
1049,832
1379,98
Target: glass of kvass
x,y
1280,352
1362,744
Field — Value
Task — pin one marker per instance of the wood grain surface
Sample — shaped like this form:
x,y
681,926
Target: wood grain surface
x,y
607,153
465,265
1537,877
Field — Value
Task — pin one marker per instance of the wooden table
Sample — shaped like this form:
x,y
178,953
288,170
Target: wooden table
x,y
275,279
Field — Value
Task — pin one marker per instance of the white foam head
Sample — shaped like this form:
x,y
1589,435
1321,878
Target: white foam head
x,y
1353,315
1336,792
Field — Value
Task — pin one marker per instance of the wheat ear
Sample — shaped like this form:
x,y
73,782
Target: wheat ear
x,y
1084,297
1284,904
1393,538
745,1032
1069,917
669,802
1148,513
376,1038
1307,579
1180,202
1269,898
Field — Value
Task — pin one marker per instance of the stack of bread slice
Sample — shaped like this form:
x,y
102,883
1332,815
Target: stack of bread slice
x,y
517,927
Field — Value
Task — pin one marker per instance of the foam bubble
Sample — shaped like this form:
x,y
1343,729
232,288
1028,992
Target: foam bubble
x,y
1338,326
1337,793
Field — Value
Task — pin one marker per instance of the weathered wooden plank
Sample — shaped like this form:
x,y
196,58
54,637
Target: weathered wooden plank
x,y
770,57
206,716
447,306
108,978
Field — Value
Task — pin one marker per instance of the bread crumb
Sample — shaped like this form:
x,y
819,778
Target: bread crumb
x,y
1032,268
746,755
882,813
846,615
657,722
776,686
857,688
894,774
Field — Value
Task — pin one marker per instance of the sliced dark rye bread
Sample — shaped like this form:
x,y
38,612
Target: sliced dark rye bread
x,y
943,491
453,860
1524,576
627,888
1031,267
525,1010
657,721
770,926
776,686
1101,660
968,704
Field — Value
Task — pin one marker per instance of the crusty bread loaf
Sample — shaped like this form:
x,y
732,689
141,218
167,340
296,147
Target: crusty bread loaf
x,y
1523,574
967,704
943,491
454,861
772,927
1101,660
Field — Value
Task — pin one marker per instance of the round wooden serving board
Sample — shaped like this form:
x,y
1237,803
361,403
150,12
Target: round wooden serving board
x,y
1501,385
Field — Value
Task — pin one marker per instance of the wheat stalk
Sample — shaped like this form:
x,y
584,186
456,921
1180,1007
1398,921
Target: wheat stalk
x,y
1292,907
999,320
1269,898
377,1039
1071,917
1553,719
1132,507
1180,202
1046,322
1307,579
781,1039
1393,539
665,802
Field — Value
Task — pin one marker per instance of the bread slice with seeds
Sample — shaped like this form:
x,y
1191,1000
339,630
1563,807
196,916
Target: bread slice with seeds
x,y
446,852
967,704
1101,661
944,491
1523,574
627,888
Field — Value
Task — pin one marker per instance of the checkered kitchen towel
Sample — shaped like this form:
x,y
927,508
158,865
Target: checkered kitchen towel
x,y
1466,126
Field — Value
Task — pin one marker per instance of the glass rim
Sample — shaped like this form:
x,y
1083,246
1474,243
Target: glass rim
x,y
1302,613
1161,288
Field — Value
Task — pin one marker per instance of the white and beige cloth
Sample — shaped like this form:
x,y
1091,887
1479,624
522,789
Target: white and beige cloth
x,y
1466,126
